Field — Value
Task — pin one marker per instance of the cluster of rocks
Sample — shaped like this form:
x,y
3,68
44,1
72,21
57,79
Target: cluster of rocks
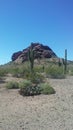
x,y
41,51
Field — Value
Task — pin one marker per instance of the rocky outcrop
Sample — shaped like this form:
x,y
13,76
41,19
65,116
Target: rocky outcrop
x,y
41,51
16,55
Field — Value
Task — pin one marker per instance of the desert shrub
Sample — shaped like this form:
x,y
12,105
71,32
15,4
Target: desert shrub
x,y
55,72
39,69
15,72
23,72
28,89
26,73
3,72
12,85
71,72
36,77
46,88
19,71
70,69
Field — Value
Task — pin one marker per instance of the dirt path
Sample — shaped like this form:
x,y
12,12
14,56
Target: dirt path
x,y
44,112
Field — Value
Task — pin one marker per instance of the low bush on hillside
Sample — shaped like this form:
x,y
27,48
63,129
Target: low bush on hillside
x,y
39,69
55,72
19,72
12,85
3,72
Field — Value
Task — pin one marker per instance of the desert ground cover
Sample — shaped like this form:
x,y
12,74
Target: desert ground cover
x,y
43,112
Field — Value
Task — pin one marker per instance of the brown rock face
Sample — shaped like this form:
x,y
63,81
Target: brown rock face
x,y
41,51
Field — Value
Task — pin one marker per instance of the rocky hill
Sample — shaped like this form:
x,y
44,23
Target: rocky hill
x,y
41,51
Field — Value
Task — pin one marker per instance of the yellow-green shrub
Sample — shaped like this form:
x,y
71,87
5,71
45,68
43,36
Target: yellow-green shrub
x,y
12,85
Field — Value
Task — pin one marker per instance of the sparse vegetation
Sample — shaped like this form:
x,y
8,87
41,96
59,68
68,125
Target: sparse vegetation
x,y
46,88
3,72
36,77
34,81
27,88
55,72
12,85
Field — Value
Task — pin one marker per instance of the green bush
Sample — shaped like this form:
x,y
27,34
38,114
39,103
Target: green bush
x,y
55,72
46,89
15,72
36,77
39,69
3,72
12,85
70,70
19,71
28,89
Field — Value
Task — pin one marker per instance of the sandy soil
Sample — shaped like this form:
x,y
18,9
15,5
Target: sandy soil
x,y
43,112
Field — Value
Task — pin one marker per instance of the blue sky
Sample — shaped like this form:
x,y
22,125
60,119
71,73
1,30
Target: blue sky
x,y
46,21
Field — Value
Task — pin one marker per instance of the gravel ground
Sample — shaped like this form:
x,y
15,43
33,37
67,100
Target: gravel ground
x,y
43,112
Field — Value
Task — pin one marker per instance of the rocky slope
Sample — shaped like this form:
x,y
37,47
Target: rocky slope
x,y
41,51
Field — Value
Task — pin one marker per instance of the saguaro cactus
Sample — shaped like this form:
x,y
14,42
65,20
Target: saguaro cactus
x,y
59,62
64,61
65,64
31,57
